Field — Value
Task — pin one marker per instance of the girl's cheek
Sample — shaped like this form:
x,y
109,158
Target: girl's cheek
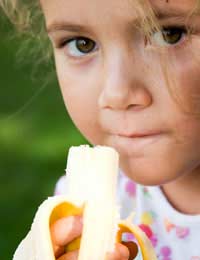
x,y
76,78
185,78
189,85
80,87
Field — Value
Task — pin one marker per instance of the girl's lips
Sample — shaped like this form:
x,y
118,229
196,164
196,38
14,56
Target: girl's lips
x,y
137,142
140,135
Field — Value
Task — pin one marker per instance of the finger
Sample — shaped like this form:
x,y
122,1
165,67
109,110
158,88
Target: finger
x,y
70,256
120,252
66,229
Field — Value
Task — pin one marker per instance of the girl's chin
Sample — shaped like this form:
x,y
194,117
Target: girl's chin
x,y
150,174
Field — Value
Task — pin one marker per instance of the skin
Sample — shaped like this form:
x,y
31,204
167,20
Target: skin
x,y
120,89
66,229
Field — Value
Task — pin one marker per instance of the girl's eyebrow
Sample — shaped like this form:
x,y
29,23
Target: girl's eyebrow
x,y
161,14
174,12
169,14
66,26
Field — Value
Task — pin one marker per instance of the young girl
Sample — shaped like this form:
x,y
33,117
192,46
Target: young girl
x,y
129,73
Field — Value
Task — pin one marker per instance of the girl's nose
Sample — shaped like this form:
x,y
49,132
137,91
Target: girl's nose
x,y
123,86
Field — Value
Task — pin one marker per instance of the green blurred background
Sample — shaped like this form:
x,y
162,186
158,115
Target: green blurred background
x,y
34,141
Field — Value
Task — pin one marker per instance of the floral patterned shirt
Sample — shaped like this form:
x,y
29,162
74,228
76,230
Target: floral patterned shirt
x,y
175,236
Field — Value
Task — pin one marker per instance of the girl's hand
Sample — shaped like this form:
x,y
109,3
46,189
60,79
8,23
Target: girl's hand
x,y
67,229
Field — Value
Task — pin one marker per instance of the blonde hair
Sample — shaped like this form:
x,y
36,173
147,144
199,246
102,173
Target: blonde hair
x,y
28,18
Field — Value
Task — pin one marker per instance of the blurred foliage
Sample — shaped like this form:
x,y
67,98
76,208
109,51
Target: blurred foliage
x,y
35,134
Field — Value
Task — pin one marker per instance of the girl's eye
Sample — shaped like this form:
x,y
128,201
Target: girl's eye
x,y
169,36
80,46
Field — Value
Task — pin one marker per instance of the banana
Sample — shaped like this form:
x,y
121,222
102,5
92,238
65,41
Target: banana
x,y
91,192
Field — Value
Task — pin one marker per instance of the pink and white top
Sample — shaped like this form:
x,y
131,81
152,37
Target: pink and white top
x,y
175,236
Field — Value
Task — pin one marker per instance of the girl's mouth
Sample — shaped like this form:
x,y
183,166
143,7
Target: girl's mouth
x,y
140,134
137,142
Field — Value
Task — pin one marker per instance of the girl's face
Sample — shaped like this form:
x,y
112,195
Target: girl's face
x,y
114,87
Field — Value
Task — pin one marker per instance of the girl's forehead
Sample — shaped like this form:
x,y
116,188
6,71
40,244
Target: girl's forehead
x,y
182,5
98,10
118,3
